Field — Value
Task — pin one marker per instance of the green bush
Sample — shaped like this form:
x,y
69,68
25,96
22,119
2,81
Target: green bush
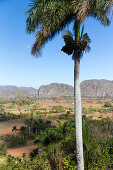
x,y
2,149
58,109
34,153
107,104
13,142
4,116
58,149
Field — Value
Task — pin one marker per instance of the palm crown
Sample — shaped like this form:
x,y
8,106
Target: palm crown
x,y
76,46
51,17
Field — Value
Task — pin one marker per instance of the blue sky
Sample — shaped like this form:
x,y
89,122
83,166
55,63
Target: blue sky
x,y
18,67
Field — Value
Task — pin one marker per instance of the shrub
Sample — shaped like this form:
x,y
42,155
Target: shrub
x,y
2,149
34,153
13,142
58,109
107,104
64,116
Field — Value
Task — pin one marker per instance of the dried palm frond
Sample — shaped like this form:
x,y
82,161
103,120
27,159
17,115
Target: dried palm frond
x,y
108,6
80,9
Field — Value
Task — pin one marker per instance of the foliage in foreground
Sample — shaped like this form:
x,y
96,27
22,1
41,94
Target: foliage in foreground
x,y
56,147
2,149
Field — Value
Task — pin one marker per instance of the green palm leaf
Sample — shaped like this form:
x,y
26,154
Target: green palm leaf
x,y
51,17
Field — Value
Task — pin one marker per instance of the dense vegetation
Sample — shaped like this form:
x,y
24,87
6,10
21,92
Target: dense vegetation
x,y
20,100
10,116
56,146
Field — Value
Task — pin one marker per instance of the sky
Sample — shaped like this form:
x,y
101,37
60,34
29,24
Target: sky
x,y
18,67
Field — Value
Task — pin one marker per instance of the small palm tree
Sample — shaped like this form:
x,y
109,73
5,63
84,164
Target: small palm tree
x,y
14,129
36,126
22,130
29,123
61,128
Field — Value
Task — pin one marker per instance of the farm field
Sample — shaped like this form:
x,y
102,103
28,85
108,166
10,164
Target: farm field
x,y
47,110
44,106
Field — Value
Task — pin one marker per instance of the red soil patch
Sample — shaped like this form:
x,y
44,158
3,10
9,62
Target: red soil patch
x,y
93,105
98,115
6,126
19,151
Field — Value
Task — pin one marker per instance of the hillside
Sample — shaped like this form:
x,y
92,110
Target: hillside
x,y
89,88
97,88
13,91
55,90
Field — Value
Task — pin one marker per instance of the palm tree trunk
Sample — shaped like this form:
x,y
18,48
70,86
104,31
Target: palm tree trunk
x,y
36,131
15,133
29,130
23,136
78,115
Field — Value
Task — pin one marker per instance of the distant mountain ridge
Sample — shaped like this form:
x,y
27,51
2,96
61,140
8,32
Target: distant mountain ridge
x,y
13,91
97,88
89,88
55,90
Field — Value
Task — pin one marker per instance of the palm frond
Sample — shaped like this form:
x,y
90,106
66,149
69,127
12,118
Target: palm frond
x,y
86,37
77,46
55,17
81,9
87,49
108,6
50,17
34,15
41,38
82,45
68,37
97,10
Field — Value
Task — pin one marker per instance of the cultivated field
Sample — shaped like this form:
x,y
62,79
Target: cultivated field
x,y
53,109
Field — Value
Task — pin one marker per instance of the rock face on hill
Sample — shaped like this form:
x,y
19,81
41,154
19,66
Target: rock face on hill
x,y
13,91
97,88
55,90
89,88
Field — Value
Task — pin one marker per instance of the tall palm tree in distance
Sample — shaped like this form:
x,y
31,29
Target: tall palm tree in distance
x,y
51,17
29,123
22,130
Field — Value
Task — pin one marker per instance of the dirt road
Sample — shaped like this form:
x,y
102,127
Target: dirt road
x,y
19,151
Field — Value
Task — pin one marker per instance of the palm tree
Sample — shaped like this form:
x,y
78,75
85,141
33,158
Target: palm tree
x,y
36,126
29,122
51,17
22,130
14,129
77,47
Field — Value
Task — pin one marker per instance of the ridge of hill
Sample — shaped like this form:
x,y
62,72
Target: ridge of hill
x,y
89,88
13,91
97,88
55,90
